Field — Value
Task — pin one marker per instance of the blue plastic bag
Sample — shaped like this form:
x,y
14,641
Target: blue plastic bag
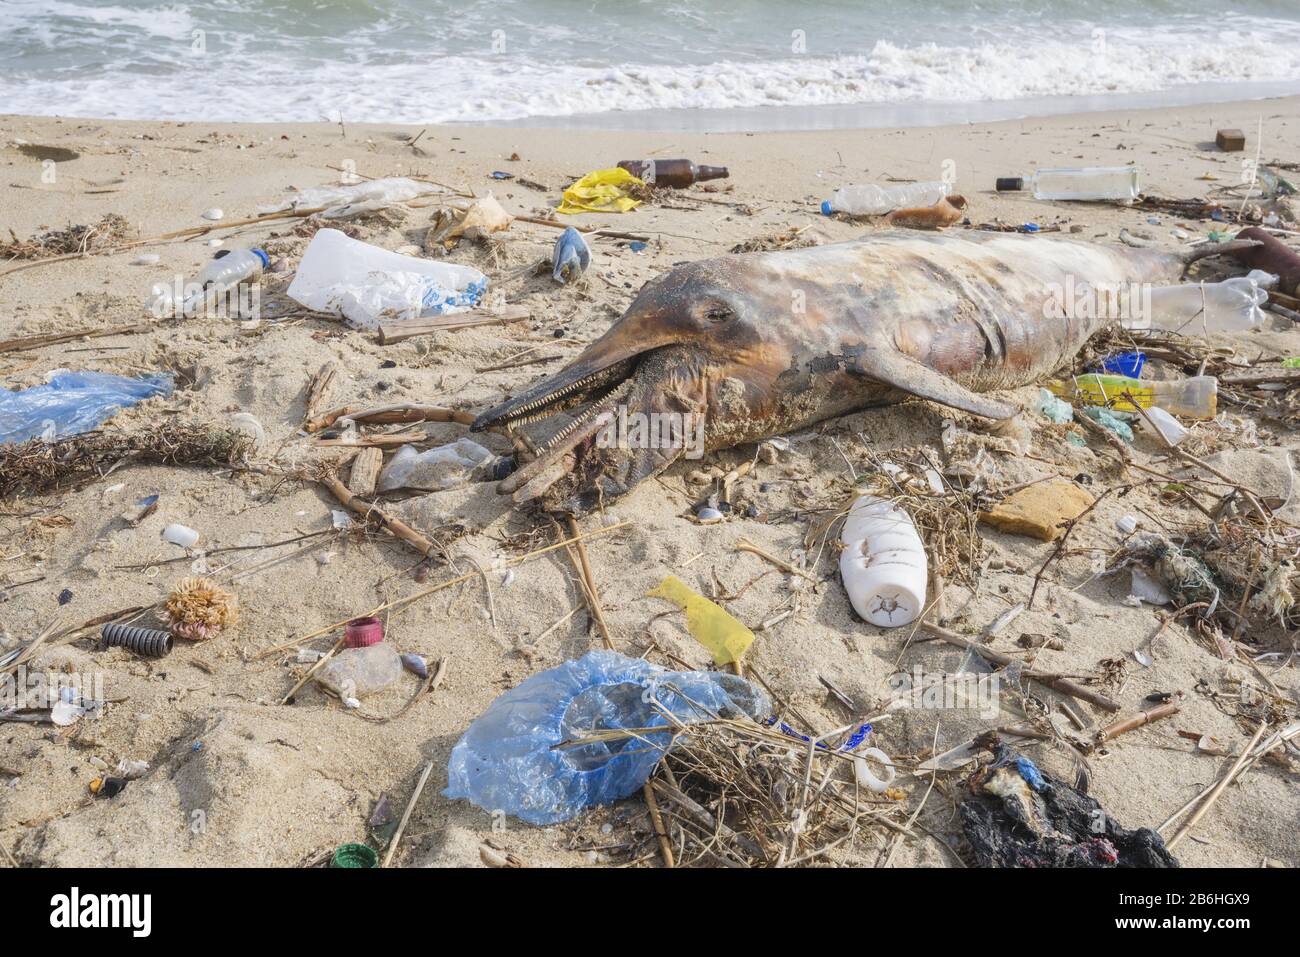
x,y
506,760
73,402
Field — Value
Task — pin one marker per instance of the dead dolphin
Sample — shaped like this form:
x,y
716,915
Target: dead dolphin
x,y
765,343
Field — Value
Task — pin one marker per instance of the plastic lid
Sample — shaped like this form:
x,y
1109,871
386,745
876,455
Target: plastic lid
x,y
261,254
826,207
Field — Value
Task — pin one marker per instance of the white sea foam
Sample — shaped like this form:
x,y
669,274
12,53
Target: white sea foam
x,y
120,60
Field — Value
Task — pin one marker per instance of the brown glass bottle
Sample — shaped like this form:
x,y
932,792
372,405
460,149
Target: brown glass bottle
x,y
673,173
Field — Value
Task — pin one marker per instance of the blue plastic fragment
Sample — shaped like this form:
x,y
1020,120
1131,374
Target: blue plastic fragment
x,y
571,256
508,761
1029,771
637,246
73,402
1128,364
1030,228
855,739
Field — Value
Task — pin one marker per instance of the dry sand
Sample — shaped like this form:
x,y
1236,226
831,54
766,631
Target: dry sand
x,y
237,779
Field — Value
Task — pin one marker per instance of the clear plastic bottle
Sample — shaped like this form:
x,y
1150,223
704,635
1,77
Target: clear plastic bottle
x,y
1232,305
230,267
1091,183
872,199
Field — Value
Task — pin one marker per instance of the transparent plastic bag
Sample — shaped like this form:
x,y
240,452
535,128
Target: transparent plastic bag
x,y
382,192
442,468
366,284
506,760
73,402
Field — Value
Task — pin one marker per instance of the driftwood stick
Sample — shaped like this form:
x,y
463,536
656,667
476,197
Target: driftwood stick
x,y
369,510
400,331
318,389
745,545
404,413
50,338
1117,728
1063,685
657,820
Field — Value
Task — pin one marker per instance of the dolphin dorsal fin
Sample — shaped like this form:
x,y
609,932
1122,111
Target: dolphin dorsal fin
x,y
903,372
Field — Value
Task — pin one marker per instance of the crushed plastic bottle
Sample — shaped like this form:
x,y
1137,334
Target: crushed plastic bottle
x,y
1195,397
393,189
1232,305
72,402
507,760
874,200
366,284
436,469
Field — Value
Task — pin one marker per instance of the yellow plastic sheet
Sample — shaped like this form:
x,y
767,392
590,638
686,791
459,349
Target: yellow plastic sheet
x,y
725,637
602,191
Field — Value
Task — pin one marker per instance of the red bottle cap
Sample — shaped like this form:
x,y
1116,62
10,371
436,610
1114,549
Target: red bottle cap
x,y
360,632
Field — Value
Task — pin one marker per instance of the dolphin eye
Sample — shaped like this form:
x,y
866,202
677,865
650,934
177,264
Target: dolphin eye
x,y
718,314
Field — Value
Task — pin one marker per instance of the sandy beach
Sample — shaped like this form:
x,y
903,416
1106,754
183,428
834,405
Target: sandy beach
x,y
236,778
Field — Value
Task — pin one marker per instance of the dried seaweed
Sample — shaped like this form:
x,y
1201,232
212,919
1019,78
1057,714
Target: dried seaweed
x,y
37,466
109,231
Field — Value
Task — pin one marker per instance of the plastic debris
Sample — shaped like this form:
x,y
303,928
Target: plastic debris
x,y
1052,408
359,672
1110,421
1019,816
73,402
366,284
363,632
393,189
883,563
1195,397
601,191
725,637
863,774
355,855
1159,421
1128,364
444,467
508,760
478,220
571,256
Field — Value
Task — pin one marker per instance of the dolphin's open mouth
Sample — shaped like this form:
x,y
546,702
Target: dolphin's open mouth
x,y
593,392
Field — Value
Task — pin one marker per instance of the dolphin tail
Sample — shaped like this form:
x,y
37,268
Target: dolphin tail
x,y
902,372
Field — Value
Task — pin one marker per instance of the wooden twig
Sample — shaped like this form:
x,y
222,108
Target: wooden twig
x,y
657,821
744,545
391,332
1117,728
1061,684
589,582
404,413
318,390
370,511
1217,790
23,343
406,815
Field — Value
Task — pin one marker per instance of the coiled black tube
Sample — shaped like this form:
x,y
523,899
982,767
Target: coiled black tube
x,y
149,642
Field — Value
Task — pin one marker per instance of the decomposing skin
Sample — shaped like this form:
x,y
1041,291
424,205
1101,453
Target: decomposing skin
x,y
771,342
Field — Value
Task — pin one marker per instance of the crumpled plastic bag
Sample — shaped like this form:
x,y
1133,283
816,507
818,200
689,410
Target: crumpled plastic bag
x,y
506,760
441,468
73,402
393,189
479,219
601,191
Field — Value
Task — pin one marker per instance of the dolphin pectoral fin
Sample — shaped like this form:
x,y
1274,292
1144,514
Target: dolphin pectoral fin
x,y
903,372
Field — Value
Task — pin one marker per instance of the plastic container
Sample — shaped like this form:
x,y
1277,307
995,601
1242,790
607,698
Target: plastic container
x,y
355,855
507,759
883,563
875,200
230,267
366,285
393,189
1092,183
1232,305
1195,397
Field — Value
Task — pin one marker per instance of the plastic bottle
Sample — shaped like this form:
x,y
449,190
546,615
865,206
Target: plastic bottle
x,y
1195,397
230,267
1091,183
366,284
871,199
883,563
673,173
1232,305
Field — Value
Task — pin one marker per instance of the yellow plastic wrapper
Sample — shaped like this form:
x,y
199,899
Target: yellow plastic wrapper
x,y
602,191
725,637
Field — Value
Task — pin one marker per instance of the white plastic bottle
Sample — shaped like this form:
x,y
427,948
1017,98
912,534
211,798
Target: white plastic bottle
x,y
366,284
1232,305
875,200
230,267
1090,183
883,564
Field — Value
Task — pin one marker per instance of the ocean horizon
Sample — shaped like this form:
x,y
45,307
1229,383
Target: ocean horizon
x,y
720,65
